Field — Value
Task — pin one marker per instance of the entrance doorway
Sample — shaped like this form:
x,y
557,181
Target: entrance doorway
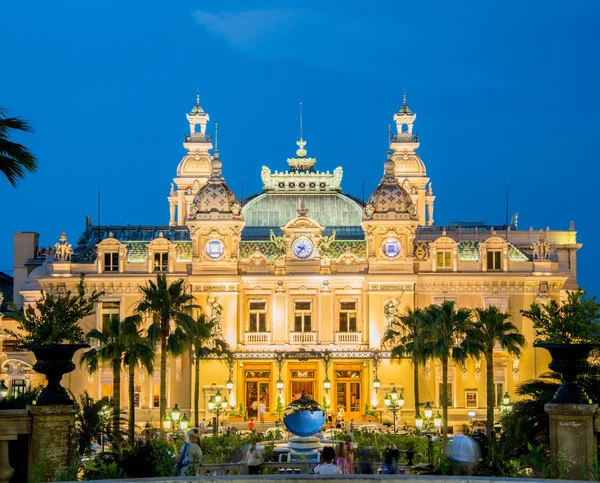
x,y
348,391
303,381
257,390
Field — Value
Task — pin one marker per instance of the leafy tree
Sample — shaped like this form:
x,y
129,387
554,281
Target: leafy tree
x,y
405,333
54,319
15,159
576,321
114,340
445,338
90,422
139,351
204,344
166,303
490,328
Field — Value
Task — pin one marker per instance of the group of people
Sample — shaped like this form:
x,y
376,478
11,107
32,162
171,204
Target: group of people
x,y
336,462
189,459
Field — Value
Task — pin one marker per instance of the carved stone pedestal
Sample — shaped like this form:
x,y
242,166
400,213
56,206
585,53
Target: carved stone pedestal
x,y
572,440
52,438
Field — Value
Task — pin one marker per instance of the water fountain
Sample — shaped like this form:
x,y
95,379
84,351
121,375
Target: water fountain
x,y
303,418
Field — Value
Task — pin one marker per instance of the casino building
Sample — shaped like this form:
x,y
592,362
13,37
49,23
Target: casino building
x,y
302,279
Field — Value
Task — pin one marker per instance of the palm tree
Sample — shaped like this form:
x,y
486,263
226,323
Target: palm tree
x,y
203,344
166,303
112,341
15,159
138,352
490,328
405,333
90,422
444,334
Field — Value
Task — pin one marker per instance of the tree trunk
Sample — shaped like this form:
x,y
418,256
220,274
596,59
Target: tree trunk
x,y
196,392
116,402
163,382
416,384
489,371
445,406
131,429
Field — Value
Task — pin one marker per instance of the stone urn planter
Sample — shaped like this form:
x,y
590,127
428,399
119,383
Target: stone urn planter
x,y
54,361
569,360
410,455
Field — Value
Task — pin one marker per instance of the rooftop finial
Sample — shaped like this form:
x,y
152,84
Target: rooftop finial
x,y
216,137
300,120
197,94
389,135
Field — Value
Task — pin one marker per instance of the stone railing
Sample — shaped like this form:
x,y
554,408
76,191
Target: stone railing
x,y
303,337
348,337
258,337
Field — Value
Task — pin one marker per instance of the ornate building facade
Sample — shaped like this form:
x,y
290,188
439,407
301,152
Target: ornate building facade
x,y
302,279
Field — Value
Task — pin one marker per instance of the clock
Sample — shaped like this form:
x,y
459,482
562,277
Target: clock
x,y
214,249
391,247
302,247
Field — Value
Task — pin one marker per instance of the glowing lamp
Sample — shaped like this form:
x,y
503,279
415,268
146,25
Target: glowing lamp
x,y
218,397
3,389
387,400
229,385
506,399
175,413
394,393
376,384
419,420
437,420
428,410
327,384
211,403
184,422
166,422
279,385
400,401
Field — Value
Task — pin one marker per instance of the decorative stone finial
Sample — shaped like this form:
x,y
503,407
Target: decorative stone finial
x,y
388,166
303,210
62,249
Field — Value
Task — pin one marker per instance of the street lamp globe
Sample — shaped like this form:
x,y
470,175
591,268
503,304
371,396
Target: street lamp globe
x,y
387,400
211,403
229,385
279,385
419,420
223,405
400,401
376,384
184,422
218,397
166,422
394,393
327,384
175,413
506,399
428,410
437,420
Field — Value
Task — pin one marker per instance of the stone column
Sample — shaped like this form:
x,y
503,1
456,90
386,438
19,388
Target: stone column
x,y
572,440
52,438
12,423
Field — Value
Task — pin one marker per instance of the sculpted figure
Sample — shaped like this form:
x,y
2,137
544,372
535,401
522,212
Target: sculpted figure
x,y
280,245
325,244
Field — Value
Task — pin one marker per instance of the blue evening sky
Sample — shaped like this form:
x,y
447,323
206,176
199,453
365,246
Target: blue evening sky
x,y
505,92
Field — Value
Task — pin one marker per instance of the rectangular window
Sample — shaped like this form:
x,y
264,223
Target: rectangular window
x,y
156,395
161,262
302,316
444,260
17,387
494,260
111,262
348,317
109,309
450,403
257,316
499,390
107,391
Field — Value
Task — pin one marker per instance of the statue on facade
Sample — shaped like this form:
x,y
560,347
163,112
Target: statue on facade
x,y
215,315
541,249
172,192
62,249
325,244
280,244
391,310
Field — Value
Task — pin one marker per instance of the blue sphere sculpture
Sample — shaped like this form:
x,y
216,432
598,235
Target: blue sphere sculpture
x,y
304,417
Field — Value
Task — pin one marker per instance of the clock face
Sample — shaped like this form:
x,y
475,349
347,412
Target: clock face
x,y
391,248
215,248
302,247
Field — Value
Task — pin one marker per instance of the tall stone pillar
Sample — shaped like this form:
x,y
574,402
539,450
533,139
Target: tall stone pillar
x,y
572,440
52,438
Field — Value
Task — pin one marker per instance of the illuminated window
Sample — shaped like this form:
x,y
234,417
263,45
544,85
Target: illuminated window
x,y
258,316
161,262
109,309
348,317
18,387
494,260
111,262
107,391
302,316
444,260
156,395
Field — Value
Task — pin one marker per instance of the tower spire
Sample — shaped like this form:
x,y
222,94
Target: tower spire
x,y
216,138
389,135
300,120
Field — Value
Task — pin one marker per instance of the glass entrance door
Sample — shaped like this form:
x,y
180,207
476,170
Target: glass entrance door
x,y
258,389
348,394
303,382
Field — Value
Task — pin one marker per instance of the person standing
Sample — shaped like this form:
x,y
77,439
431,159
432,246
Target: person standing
x,y
341,459
202,427
327,466
262,408
254,458
464,453
190,457
251,425
390,460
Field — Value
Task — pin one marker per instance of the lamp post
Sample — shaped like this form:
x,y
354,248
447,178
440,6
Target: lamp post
x,y
217,406
279,358
326,361
176,420
393,403
506,405
376,360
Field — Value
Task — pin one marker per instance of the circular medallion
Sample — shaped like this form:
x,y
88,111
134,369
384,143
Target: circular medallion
x,y
391,247
302,247
214,249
